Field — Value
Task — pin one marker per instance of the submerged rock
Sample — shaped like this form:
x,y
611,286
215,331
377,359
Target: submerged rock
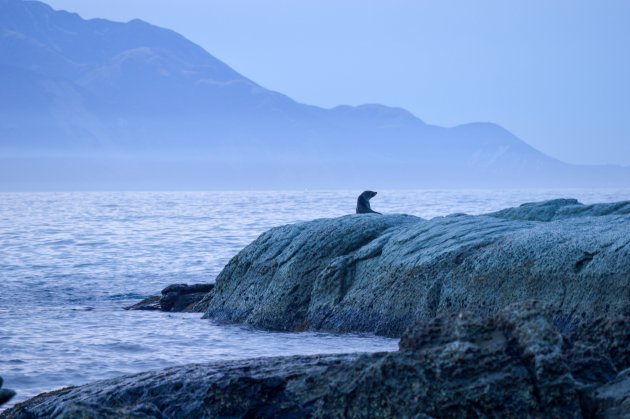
x,y
183,297
176,298
5,393
380,274
514,364
151,303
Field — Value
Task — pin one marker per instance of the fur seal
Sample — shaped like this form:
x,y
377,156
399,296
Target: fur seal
x,y
363,203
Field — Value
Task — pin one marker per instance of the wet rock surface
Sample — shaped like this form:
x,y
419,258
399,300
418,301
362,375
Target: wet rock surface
x,y
515,364
612,400
380,274
176,298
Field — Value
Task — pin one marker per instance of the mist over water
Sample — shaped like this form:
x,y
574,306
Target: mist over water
x,y
69,263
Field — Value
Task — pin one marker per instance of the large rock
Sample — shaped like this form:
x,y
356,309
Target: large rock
x,y
514,364
380,274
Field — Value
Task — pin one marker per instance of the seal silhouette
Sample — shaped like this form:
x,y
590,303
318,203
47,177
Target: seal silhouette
x,y
363,203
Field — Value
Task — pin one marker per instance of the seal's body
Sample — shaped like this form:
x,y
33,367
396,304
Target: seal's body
x,y
363,203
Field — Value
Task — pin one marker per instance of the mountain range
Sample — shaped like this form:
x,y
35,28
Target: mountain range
x,y
96,104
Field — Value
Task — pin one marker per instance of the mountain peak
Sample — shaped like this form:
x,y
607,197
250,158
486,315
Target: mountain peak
x,y
91,43
139,22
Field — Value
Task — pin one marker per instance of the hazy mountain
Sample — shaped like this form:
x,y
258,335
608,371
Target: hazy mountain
x,y
96,104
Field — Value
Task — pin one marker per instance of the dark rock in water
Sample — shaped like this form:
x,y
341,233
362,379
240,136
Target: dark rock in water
x,y
183,297
150,304
176,298
174,302
176,288
381,274
187,289
513,364
5,393
168,301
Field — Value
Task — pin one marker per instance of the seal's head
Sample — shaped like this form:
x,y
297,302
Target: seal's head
x,y
363,203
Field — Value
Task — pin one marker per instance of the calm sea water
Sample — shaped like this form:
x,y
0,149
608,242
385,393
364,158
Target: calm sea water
x,y
69,263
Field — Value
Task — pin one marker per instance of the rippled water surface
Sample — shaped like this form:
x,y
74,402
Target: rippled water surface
x,y
69,262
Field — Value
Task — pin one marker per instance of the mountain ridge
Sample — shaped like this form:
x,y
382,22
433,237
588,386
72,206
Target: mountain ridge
x,y
95,85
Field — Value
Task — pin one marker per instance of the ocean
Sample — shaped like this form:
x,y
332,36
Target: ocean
x,y
70,262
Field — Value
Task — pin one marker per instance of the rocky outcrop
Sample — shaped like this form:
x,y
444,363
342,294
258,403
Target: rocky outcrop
x,y
513,364
5,393
176,298
380,274
559,209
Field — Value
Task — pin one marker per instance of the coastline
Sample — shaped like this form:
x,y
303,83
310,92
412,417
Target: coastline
x,y
347,248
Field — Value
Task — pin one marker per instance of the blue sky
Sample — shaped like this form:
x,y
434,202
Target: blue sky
x,y
556,73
